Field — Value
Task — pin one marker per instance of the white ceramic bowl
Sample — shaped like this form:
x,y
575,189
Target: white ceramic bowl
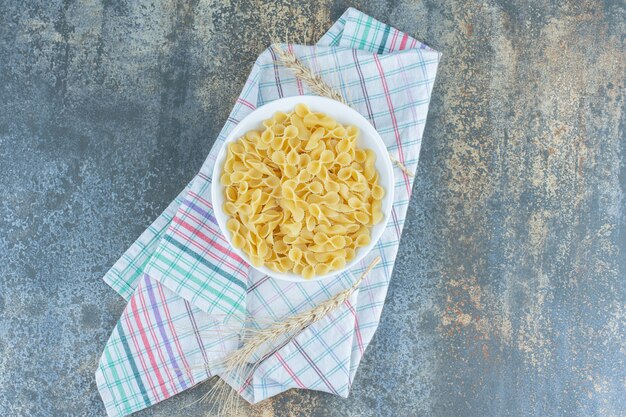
x,y
368,138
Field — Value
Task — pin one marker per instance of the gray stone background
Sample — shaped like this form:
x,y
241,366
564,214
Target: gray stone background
x,y
508,294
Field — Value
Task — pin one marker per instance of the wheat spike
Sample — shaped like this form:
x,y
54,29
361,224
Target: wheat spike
x,y
401,166
292,325
237,361
303,73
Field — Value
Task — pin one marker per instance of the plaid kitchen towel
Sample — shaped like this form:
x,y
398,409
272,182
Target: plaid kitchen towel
x,y
182,281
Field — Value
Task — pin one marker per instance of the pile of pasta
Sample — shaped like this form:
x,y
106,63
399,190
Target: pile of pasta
x,y
300,195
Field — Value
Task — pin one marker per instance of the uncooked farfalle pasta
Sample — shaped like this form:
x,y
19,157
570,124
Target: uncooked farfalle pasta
x,y
300,195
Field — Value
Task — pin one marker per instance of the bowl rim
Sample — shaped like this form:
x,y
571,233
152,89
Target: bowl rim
x,y
316,102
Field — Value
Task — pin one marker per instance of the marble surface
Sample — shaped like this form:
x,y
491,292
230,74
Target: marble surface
x,y
508,294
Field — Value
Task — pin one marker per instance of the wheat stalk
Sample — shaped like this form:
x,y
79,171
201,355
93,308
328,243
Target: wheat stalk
x,y
236,362
401,166
294,324
318,86
304,74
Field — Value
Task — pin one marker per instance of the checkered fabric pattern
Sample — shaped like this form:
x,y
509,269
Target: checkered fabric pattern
x,y
184,284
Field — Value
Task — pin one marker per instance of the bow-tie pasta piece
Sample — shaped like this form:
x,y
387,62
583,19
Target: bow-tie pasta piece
x,y
301,196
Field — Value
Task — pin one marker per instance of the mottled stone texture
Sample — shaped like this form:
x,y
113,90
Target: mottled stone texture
x,y
508,294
